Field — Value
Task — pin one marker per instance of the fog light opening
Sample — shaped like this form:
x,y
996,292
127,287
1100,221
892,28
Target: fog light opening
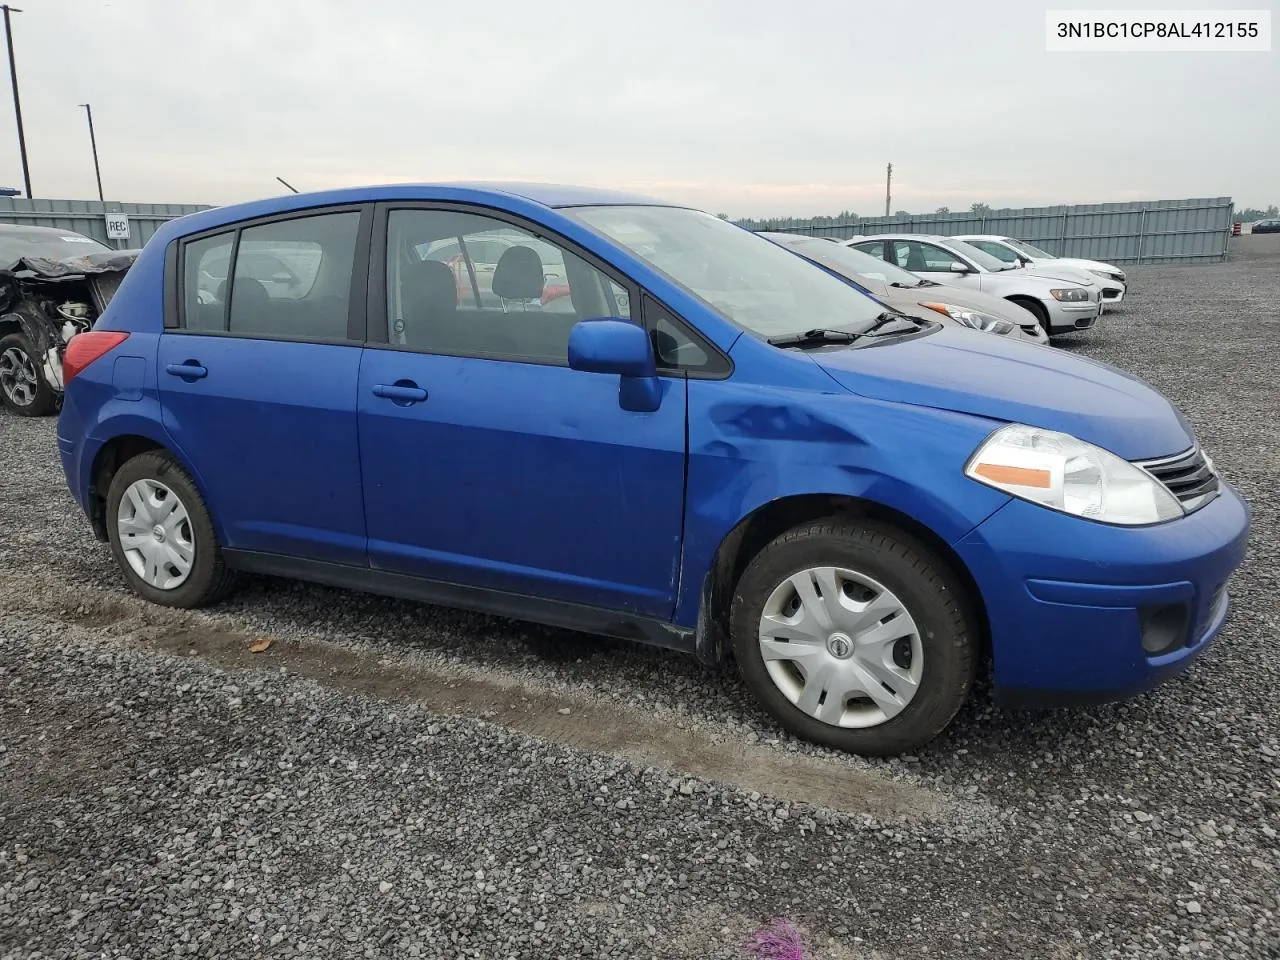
x,y
1164,627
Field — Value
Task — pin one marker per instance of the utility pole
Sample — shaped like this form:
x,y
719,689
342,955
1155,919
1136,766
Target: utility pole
x,y
888,179
94,143
17,103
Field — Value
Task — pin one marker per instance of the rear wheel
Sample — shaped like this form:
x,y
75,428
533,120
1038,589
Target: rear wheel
x,y
161,534
23,387
854,636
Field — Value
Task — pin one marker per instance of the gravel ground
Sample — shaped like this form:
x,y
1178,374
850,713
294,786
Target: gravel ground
x,y
397,780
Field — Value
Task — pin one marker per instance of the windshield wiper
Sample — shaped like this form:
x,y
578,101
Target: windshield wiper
x,y
817,337
887,318
908,286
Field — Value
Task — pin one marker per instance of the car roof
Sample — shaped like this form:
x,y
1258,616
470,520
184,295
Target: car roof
x,y
549,195
933,237
23,230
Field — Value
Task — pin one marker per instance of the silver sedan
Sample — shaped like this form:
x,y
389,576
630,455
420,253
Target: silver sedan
x,y
915,295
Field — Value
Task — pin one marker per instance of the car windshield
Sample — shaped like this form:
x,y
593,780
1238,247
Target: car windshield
x,y
1030,249
846,260
983,259
747,279
46,246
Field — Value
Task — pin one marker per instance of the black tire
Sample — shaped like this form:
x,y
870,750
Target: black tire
x,y
1036,308
44,400
209,579
934,597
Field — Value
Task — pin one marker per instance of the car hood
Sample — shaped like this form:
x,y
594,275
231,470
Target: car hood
x,y
1056,271
113,261
1004,379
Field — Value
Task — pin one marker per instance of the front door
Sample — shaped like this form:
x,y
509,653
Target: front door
x,y
487,461
934,263
258,383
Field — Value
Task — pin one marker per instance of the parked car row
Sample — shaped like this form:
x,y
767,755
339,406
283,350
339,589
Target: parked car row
x,y
718,442
1061,297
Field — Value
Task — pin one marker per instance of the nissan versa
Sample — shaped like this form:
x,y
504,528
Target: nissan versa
x,y
706,443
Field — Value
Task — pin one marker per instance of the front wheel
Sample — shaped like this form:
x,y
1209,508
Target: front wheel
x,y
855,636
23,387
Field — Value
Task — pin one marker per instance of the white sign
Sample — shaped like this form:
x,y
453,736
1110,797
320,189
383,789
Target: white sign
x,y
117,226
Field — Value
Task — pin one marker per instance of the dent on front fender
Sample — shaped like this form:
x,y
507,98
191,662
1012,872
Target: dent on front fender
x,y
750,446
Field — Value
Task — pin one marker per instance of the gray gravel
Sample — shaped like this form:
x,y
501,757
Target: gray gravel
x,y
159,804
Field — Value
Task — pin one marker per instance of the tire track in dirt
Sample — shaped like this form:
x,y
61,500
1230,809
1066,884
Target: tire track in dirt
x,y
575,721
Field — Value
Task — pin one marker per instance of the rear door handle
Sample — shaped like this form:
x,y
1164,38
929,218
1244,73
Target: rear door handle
x,y
402,392
191,370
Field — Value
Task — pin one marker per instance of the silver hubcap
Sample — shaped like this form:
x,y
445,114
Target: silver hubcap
x,y
18,377
155,534
841,647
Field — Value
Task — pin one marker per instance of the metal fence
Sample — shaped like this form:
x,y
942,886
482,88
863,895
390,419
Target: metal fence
x,y
89,217
1160,231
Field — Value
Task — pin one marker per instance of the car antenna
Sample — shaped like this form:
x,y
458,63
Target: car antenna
x,y
287,183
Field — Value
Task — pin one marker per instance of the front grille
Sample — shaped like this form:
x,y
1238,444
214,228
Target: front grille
x,y
1189,476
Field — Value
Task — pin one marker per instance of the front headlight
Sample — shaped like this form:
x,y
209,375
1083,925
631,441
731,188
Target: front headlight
x,y
1062,473
1108,275
1070,294
974,319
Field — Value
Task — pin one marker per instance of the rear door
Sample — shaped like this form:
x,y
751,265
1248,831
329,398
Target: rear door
x,y
258,372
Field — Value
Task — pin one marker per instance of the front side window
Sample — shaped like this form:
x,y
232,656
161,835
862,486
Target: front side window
x,y
923,257
472,285
747,279
288,278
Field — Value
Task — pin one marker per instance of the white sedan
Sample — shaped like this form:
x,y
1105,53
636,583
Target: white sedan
x,y
1111,278
1062,298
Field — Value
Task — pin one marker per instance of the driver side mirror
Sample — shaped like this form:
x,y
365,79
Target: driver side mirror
x,y
960,268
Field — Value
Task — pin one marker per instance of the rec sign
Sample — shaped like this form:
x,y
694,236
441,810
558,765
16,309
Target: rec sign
x,y
117,226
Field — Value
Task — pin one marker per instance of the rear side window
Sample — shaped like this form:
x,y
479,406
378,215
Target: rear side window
x,y
285,279
873,247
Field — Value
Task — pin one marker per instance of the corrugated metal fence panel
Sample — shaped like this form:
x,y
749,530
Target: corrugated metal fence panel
x,y
1159,231
88,216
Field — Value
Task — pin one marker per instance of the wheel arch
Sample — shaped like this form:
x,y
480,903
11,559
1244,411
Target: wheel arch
x,y
111,456
760,527
1033,306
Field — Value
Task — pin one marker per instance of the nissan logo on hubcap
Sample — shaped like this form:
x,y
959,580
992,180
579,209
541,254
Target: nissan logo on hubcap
x,y
839,646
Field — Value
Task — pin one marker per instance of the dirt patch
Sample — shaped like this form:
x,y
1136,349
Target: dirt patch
x,y
575,721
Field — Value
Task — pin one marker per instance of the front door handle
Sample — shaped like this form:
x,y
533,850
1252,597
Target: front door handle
x,y
403,392
190,370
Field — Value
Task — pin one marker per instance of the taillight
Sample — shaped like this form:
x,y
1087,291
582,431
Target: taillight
x,y
84,348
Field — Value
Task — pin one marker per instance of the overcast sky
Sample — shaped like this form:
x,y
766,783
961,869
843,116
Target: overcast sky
x,y
751,107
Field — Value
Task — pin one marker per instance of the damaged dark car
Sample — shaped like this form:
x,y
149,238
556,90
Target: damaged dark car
x,y
53,284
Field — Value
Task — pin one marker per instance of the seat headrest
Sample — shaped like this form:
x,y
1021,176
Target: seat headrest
x,y
434,285
519,274
249,293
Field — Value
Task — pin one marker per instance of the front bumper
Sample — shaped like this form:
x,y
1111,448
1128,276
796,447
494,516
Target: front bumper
x,y
1065,317
1068,600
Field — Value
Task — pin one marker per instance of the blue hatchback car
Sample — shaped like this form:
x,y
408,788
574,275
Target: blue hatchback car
x,y
617,415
